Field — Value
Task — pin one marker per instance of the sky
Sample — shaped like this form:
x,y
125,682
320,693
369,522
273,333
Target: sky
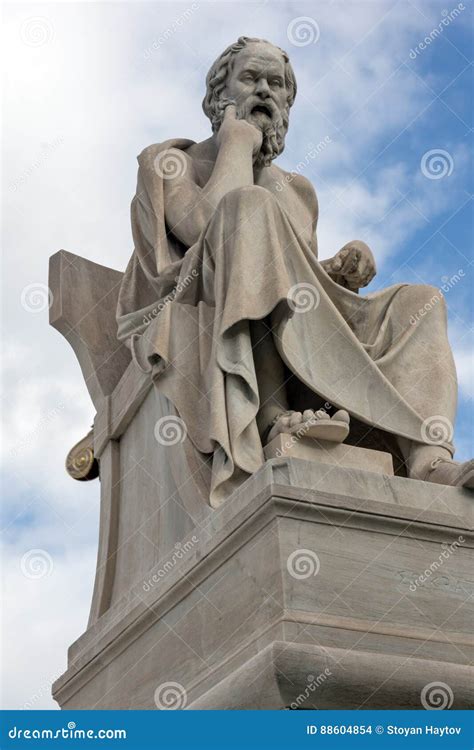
x,y
382,126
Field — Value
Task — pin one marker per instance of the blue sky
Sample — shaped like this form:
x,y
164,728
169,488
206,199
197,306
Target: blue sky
x,y
90,86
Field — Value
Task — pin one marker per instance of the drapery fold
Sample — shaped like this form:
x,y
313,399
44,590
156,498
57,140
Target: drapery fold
x,y
186,314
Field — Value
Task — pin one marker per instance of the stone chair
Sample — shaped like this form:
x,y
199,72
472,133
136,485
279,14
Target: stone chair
x,y
303,590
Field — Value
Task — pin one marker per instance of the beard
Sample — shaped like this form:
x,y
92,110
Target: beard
x,y
267,117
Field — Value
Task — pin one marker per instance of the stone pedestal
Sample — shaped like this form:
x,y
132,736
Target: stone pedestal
x,y
309,575
320,583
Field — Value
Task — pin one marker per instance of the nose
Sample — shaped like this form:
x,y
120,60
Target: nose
x,y
262,88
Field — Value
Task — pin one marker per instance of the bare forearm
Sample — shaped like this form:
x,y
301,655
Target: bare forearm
x,y
233,169
189,207
191,210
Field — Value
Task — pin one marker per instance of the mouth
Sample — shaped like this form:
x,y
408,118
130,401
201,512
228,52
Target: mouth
x,y
262,109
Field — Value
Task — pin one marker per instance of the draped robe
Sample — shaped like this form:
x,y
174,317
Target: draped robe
x,y
186,315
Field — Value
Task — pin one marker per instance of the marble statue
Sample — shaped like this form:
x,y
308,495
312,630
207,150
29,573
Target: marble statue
x,y
306,411
247,334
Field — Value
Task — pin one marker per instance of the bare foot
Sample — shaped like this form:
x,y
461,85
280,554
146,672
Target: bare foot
x,y
315,424
452,473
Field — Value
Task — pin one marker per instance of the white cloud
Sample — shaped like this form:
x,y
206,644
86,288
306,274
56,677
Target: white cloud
x,y
42,617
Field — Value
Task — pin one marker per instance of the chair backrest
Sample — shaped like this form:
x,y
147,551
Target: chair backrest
x,y
83,309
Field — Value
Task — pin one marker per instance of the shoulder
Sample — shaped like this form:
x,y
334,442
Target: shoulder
x,y
297,182
160,161
157,152
302,185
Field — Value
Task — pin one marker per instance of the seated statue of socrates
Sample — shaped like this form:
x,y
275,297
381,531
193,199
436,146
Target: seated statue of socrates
x,y
245,332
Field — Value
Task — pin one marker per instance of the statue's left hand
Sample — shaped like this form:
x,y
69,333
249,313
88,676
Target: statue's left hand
x,y
353,266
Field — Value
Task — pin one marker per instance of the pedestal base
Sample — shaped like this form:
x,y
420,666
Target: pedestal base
x,y
313,586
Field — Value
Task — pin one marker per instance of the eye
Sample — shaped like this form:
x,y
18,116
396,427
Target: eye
x,y
276,82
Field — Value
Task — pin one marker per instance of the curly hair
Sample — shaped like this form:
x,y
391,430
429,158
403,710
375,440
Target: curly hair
x,y
219,72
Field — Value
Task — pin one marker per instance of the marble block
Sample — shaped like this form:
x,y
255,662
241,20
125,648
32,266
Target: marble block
x,y
314,586
325,452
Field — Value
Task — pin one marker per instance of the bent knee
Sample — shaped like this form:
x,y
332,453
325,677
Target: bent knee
x,y
422,294
419,300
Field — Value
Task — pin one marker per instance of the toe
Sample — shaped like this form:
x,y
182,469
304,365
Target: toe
x,y
285,422
321,414
342,416
308,415
295,419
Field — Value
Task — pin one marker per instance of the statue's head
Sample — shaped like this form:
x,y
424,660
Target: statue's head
x,y
258,78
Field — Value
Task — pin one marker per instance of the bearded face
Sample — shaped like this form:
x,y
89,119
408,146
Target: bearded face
x,y
256,85
273,122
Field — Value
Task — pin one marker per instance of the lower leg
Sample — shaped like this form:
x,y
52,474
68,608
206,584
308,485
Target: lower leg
x,y
274,415
270,375
433,463
419,457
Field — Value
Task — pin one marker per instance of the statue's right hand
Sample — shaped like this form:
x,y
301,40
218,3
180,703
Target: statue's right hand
x,y
239,131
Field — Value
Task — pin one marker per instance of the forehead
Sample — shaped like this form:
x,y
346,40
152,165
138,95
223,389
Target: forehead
x,y
260,57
